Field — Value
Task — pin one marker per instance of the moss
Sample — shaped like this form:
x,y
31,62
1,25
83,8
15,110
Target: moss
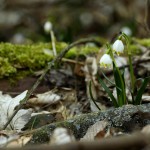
x,y
24,57
15,58
81,51
134,49
145,42
6,69
41,136
33,57
126,118
78,126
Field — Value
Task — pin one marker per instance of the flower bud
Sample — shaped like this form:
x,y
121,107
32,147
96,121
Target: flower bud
x,y
106,61
48,26
118,47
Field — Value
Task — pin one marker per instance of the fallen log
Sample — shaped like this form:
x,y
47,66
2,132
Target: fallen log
x,y
128,118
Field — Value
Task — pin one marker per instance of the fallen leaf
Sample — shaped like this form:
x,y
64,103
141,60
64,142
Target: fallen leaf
x,y
146,129
11,139
45,98
7,108
96,130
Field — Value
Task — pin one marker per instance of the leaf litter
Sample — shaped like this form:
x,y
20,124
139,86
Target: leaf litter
x,y
68,96
7,107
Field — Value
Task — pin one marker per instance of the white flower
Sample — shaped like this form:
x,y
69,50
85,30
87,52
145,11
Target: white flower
x,y
48,26
118,47
127,31
106,61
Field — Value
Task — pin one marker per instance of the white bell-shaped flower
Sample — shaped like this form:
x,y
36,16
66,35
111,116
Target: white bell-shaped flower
x,y
106,61
48,26
127,31
118,47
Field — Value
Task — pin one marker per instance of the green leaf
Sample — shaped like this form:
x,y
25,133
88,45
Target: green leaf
x,y
108,92
124,86
110,81
133,88
119,83
91,95
141,91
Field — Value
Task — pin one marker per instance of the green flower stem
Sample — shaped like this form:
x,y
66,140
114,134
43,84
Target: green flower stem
x,y
122,99
53,43
131,73
130,66
138,98
91,95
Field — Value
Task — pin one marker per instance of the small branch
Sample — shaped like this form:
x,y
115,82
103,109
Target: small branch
x,y
72,61
48,68
126,66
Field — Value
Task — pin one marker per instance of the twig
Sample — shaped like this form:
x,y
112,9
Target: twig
x,y
56,60
72,61
126,66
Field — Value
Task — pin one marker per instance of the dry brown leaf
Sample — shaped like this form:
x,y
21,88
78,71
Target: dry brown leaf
x,y
68,105
96,130
45,98
145,98
7,108
6,137
19,142
146,129
90,70
13,139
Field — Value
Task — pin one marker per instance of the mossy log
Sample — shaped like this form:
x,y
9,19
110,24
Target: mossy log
x,y
15,58
31,57
127,118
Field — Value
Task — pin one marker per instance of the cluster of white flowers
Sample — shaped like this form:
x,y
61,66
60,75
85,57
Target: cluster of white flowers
x,y
106,60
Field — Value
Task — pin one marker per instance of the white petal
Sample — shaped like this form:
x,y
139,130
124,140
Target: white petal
x,y
48,26
118,46
45,98
106,60
127,31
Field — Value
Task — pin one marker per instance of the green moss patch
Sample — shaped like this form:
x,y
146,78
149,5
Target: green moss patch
x,y
15,58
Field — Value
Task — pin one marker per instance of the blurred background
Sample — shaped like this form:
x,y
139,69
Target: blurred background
x,y
21,21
